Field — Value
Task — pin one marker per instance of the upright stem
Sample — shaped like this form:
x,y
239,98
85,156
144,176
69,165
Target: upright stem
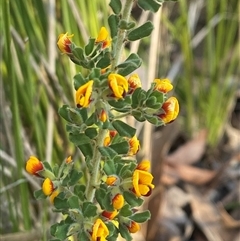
x,y
91,186
122,33
93,182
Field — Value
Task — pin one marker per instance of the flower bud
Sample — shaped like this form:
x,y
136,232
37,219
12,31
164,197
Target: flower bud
x,y
133,227
163,85
110,215
118,201
134,82
69,160
47,187
103,116
171,110
111,180
33,166
64,42
134,146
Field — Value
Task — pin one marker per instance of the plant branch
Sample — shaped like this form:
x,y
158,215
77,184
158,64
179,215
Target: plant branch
x,y
121,33
93,182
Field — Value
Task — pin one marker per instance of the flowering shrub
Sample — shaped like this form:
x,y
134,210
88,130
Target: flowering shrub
x,y
106,205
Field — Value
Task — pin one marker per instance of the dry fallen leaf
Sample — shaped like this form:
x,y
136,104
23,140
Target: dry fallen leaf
x,y
190,152
173,172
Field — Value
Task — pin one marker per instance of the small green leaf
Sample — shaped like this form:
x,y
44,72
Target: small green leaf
x,y
60,203
152,5
125,211
83,236
95,73
79,139
78,53
124,129
138,96
140,32
39,194
123,24
113,21
73,229
89,209
89,47
63,112
75,177
121,105
47,166
125,232
73,202
120,148
116,6
104,199
132,200
91,120
141,217
86,149
107,152
129,65
104,61
91,132
53,229
79,191
61,231
138,115
154,120
75,115
78,80
109,167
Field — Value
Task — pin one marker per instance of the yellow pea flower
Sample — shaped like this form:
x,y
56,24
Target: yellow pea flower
x,y
171,110
33,166
134,146
163,85
103,37
83,94
142,180
118,84
99,231
64,42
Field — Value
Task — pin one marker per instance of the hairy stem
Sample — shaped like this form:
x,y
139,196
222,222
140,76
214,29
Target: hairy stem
x,y
122,33
93,182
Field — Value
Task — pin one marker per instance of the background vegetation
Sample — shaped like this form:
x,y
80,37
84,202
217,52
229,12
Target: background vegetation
x,y
195,44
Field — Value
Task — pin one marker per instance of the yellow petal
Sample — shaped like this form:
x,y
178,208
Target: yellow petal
x,y
163,85
144,165
103,34
100,231
83,94
47,187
